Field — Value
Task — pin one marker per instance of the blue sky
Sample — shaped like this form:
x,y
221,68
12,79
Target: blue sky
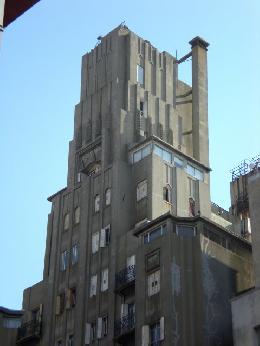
x,y
40,61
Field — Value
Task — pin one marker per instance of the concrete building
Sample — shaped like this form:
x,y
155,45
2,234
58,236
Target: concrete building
x,y
246,306
10,321
136,254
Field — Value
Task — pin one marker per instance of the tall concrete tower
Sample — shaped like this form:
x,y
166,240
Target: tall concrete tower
x,y
129,259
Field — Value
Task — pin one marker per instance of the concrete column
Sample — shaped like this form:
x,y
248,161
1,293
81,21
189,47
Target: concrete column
x,y
200,100
254,210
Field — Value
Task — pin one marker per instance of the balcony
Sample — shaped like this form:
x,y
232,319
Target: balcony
x,y
125,328
125,280
29,331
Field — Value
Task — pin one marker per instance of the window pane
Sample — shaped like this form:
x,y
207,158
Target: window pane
x,y
198,174
167,156
140,74
186,231
146,151
190,170
158,150
178,162
155,234
137,156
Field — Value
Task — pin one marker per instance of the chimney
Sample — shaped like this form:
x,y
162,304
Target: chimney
x,y
200,100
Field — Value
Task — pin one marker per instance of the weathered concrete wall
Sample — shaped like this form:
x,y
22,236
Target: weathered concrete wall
x,y
246,316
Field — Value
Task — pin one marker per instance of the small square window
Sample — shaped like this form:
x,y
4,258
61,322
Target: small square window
x,y
141,191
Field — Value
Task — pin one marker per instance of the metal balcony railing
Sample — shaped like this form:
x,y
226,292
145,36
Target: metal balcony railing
x,y
124,325
125,276
29,330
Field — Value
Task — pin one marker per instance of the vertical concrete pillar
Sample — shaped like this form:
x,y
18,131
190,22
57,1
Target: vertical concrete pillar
x,y
254,210
200,100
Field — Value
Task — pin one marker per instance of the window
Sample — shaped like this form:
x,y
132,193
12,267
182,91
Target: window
x,y
11,323
167,193
75,254
257,334
95,242
97,203
195,172
66,221
152,260
105,236
64,261
140,74
93,286
155,233
141,191
105,326
60,303
163,153
93,331
72,296
59,343
186,231
191,207
142,153
102,327
108,197
191,183
77,215
71,340
155,334
104,280
153,283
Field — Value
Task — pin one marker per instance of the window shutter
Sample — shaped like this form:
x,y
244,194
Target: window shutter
x,y
58,305
103,238
87,333
162,328
145,335
99,327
